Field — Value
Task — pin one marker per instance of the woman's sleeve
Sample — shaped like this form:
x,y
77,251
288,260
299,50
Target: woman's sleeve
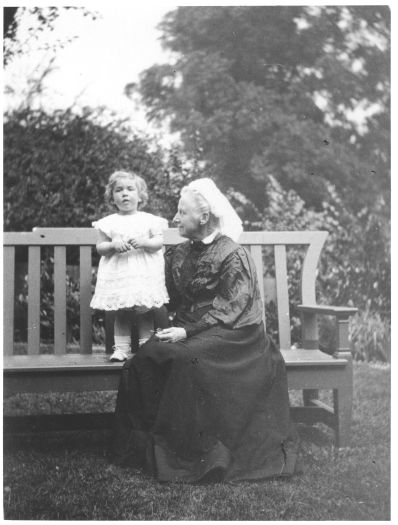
x,y
175,298
237,302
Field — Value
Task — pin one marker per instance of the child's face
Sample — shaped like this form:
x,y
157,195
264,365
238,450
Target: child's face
x,y
125,195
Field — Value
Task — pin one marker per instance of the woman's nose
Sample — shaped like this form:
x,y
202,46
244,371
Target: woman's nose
x,y
176,219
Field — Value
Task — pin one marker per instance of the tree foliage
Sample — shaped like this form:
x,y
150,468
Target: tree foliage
x,y
243,91
42,18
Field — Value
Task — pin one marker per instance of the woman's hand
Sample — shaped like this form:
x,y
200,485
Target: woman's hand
x,y
171,335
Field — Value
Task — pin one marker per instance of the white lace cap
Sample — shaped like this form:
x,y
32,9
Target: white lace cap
x,y
230,222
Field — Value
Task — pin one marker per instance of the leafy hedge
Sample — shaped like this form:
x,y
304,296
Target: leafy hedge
x,y
56,167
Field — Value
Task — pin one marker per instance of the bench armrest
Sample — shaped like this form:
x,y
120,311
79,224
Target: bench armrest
x,y
310,327
339,311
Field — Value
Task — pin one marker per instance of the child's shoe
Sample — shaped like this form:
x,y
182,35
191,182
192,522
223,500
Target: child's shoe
x,y
118,355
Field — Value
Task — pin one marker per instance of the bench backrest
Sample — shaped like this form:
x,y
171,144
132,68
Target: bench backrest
x,y
85,239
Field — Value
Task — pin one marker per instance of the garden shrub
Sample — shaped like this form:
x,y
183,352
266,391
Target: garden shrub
x,y
55,170
370,336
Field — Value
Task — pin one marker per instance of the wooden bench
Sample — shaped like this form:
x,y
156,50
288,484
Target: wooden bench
x,y
309,369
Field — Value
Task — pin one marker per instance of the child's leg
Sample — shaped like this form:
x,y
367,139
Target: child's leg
x,y
145,327
123,323
122,335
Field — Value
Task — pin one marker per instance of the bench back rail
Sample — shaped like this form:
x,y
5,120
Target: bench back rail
x,y
85,239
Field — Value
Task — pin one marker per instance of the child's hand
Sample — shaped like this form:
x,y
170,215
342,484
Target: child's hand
x,y
121,246
137,242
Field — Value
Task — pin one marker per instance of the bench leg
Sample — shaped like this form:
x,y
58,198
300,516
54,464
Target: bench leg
x,y
342,400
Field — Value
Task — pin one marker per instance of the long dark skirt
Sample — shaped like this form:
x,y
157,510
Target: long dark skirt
x,y
214,406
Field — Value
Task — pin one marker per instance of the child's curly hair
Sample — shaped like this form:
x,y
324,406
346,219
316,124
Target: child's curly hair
x,y
139,182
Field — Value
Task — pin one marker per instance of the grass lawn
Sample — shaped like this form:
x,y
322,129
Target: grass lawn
x,y
67,476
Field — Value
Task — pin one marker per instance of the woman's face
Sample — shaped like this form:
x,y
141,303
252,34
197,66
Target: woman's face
x,y
188,218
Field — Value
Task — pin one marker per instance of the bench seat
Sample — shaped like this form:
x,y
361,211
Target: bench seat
x,y
88,372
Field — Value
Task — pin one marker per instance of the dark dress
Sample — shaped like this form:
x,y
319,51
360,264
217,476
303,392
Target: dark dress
x,y
215,405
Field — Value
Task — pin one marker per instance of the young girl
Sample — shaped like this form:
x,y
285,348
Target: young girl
x,y
131,269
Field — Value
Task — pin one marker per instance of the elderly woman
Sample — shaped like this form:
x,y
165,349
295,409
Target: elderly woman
x,y
207,399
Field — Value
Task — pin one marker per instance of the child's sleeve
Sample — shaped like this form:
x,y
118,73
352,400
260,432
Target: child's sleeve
x,y
104,225
158,226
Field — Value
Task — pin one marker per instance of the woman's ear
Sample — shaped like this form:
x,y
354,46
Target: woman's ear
x,y
204,219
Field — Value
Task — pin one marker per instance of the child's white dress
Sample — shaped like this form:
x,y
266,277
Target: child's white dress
x,y
134,278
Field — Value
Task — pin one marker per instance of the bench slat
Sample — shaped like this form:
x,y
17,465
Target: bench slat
x,y
60,300
309,269
282,297
34,300
8,298
85,298
49,362
88,236
309,323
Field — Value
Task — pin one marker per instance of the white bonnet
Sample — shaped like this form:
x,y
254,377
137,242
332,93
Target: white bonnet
x,y
230,222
